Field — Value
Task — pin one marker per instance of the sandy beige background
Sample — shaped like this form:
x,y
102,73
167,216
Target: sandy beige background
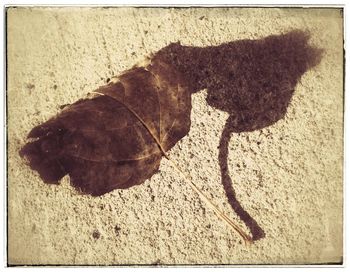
x,y
292,182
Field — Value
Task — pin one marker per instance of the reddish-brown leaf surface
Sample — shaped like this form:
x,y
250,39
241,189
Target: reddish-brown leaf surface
x,y
108,142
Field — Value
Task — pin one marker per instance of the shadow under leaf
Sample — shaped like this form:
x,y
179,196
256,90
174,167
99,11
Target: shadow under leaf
x,y
252,80
256,231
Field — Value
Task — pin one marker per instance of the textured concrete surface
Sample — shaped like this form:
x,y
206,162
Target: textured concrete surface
x,y
287,176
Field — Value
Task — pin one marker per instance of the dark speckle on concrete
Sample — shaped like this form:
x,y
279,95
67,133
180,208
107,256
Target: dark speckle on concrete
x,y
96,234
117,230
30,86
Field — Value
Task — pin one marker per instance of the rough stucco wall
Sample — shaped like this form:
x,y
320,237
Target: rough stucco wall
x,y
291,183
